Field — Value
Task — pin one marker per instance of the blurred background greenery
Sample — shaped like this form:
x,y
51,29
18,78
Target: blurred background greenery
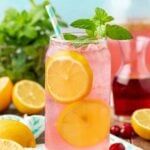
x,y
24,37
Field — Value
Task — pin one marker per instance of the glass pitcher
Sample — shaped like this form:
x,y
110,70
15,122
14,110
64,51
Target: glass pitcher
x,y
134,14
131,85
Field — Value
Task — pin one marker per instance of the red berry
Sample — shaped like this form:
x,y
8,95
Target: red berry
x,y
127,131
115,130
127,125
134,134
117,146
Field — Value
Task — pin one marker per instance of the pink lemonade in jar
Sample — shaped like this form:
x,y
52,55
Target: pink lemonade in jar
x,y
78,87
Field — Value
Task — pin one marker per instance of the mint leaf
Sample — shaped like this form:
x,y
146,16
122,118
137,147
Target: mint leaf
x,y
101,16
101,31
117,32
29,32
69,36
90,33
82,40
84,24
99,27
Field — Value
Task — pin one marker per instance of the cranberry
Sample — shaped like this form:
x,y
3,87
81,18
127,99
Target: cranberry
x,y
117,146
127,131
134,134
127,125
115,130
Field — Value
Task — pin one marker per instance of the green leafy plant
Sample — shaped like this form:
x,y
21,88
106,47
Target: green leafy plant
x,y
99,26
24,37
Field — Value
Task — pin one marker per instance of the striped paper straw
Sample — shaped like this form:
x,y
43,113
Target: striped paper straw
x,y
51,13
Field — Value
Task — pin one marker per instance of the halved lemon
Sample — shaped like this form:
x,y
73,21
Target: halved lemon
x,y
6,87
68,76
16,131
28,97
9,145
141,123
84,123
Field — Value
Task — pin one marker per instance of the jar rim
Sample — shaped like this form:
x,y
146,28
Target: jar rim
x,y
58,40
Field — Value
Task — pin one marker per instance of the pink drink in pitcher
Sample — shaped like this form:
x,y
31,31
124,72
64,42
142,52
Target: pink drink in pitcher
x,y
78,87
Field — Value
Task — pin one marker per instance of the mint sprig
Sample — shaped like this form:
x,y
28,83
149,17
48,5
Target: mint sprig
x,y
101,16
24,37
99,26
69,36
117,32
84,24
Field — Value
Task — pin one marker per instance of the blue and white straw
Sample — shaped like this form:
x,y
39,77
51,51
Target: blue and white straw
x,y
51,13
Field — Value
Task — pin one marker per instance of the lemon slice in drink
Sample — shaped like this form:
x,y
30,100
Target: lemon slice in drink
x,y
68,76
28,97
9,145
141,123
84,123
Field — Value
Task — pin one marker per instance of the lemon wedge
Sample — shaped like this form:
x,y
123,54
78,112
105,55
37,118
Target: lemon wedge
x,y
141,123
